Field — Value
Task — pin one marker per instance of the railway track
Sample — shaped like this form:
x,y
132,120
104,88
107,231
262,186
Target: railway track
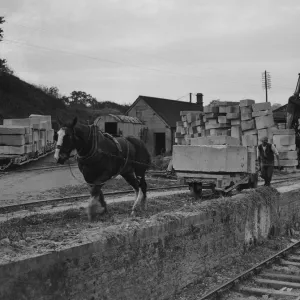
x,y
53,201
277,277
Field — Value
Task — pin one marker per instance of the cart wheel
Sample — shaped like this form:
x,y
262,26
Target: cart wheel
x,y
196,190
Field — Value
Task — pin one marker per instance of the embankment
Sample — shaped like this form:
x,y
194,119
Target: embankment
x,y
153,258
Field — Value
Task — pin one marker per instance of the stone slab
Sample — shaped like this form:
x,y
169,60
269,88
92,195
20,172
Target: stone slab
x,y
249,140
217,158
248,125
246,110
222,109
235,122
12,140
222,119
216,140
288,155
231,116
261,113
210,109
219,132
284,132
284,140
217,125
14,130
246,116
264,122
261,106
19,150
251,132
233,109
17,122
286,162
246,102
236,132
285,148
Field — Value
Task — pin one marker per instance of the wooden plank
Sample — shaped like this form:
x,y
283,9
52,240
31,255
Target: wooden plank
x,y
279,276
263,291
278,283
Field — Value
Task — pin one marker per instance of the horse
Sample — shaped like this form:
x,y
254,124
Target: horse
x,y
101,157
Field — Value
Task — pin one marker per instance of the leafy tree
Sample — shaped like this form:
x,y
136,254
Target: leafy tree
x,y
3,64
82,99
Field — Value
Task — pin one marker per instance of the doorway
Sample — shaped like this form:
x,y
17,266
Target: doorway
x,y
111,128
160,143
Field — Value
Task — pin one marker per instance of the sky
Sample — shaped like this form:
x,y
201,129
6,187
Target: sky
x,y
116,50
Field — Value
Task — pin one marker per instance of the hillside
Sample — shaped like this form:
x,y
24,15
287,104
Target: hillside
x,y
19,99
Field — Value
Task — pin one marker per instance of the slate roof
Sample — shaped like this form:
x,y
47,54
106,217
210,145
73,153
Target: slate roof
x,y
169,110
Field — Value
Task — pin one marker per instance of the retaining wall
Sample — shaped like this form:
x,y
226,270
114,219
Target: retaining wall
x,y
154,258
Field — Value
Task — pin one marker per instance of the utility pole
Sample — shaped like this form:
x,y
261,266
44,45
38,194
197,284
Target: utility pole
x,y
266,82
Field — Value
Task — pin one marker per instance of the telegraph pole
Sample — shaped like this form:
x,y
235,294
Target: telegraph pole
x,y
266,82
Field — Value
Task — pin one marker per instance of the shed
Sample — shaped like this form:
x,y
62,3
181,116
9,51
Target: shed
x,y
120,125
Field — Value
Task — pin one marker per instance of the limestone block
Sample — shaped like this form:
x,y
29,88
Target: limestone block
x,y
249,140
17,150
210,116
252,157
28,148
251,132
212,158
36,135
222,109
233,109
179,123
284,132
236,132
219,132
217,125
12,140
261,106
284,140
246,110
264,121
288,155
215,140
14,129
40,121
231,116
246,116
248,125
213,121
210,109
286,163
261,113
223,119
17,122
185,112
235,122
246,102
285,148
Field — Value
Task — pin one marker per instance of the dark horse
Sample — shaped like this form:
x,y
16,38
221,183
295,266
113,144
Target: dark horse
x,y
101,157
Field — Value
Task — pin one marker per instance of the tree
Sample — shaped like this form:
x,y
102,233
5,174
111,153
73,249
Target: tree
x,y
3,63
82,99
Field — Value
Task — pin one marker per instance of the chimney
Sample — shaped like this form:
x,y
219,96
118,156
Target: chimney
x,y
200,100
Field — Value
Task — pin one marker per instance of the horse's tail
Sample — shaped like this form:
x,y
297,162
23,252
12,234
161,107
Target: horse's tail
x,y
142,155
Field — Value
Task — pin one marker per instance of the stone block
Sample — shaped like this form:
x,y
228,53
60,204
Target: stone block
x,y
264,122
14,130
223,119
235,122
216,140
285,148
28,138
213,121
210,116
261,106
261,113
219,131
249,140
246,102
17,122
233,109
16,150
284,140
288,155
212,158
246,110
286,163
210,109
251,160
284,132
179,123
246,116
12,140
36,135
236,132
217,125
222,109
250,132
28,148
231,116
248,125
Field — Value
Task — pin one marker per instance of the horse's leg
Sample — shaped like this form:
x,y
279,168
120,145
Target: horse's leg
x,y
133,181
97,198
143,186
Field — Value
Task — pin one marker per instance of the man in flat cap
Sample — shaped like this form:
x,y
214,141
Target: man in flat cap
x,y
266,152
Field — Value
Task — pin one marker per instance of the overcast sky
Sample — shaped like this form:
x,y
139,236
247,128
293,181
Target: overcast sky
x,y
119,49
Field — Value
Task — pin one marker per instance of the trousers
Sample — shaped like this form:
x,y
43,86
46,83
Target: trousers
x,y
267,173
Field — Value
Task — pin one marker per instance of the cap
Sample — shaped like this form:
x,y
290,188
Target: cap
x,y
264,139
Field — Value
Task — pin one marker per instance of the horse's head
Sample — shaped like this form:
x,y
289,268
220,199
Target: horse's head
x,y
65,142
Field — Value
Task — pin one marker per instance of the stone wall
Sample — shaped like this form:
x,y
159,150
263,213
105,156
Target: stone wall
x,y
153,258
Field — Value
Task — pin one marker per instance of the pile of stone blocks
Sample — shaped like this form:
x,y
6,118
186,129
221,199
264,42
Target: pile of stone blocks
x,y
285,142
191,125
22,136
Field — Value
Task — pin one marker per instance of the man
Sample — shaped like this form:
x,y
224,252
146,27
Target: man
x,y
266,152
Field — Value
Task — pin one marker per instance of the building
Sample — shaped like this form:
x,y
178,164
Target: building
x,y
120,125
160,116
280,114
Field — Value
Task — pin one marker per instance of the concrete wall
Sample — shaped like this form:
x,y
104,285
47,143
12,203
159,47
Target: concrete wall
x,y
154,123
153,258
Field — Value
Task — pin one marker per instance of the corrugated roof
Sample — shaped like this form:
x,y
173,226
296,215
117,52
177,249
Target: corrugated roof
x,y
123,119
169,110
